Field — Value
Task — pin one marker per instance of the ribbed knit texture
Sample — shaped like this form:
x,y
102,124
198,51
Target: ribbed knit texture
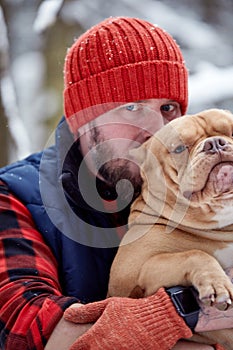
x,y
123,323
121,60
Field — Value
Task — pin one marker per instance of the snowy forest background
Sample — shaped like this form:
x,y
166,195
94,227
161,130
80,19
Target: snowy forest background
x,y
35,35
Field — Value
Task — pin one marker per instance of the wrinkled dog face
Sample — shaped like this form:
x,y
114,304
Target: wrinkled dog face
x,y
190,162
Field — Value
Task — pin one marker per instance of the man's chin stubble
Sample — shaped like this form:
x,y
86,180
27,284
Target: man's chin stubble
x,y
115,171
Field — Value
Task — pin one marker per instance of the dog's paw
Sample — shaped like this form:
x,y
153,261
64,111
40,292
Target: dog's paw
x,y
216,292
222,302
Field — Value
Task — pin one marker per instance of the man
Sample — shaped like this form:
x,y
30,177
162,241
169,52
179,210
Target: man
x,y
63,211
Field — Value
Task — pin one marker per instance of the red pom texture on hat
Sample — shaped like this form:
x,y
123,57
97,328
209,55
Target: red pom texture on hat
x,y
121,60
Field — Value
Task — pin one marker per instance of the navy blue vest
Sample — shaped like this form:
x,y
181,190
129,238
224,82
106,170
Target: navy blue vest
x,y
81,236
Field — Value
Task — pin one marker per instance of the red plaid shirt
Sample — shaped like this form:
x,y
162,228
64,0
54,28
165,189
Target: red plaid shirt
x,y
31,300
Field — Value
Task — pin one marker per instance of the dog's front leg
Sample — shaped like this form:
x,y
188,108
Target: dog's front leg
x,y
193,267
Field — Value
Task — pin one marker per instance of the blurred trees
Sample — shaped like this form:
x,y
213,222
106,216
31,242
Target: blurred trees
x,y
33,61
4,135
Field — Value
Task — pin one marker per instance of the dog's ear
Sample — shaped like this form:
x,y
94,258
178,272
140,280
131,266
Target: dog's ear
x,y
139,154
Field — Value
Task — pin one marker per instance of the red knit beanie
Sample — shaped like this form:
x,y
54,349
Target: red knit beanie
x,y
121,60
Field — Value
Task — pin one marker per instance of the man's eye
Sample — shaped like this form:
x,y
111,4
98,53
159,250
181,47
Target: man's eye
x,y
167,108
132,107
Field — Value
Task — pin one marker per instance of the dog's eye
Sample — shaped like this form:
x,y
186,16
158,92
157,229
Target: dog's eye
x,y
179,149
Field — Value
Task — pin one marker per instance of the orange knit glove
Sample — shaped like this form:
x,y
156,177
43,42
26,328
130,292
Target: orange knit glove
x,y
124,323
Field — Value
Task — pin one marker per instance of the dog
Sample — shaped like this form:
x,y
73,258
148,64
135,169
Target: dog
x,y
181,225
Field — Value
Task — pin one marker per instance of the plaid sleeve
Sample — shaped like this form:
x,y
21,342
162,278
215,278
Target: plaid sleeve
x,y
31,300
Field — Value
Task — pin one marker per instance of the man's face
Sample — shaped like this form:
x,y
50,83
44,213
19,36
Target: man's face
x,y
105,142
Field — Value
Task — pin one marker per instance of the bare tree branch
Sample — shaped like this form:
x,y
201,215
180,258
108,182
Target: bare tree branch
x,y
8,96
47,15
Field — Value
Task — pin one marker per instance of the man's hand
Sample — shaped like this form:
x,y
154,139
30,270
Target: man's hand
x,y
188,345
146,323
65,333
212,319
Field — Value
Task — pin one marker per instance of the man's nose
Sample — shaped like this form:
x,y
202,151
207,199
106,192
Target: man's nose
x,y
146,135
151,128
156,122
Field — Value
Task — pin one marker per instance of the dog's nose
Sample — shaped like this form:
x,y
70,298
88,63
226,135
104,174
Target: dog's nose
x,y
214,144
